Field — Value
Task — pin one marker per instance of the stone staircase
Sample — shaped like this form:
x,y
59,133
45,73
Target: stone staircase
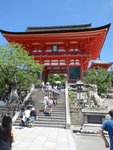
x,y
58,115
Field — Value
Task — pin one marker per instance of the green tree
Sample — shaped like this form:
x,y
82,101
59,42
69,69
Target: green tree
x,y
99,76
72,97
17,68
57,77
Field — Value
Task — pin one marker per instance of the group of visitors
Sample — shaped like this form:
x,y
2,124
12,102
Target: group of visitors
x,y
52,93
28,116
50,98
48,88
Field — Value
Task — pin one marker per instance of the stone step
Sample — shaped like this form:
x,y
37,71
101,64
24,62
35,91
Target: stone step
x,y
54,108
51,125
46,120
48,125
53,113
51,121
57,105
52,117
58,115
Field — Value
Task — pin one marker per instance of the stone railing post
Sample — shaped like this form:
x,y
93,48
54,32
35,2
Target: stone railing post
x,y
68,120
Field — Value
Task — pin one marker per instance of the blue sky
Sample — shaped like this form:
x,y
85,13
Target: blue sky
x,y
18,15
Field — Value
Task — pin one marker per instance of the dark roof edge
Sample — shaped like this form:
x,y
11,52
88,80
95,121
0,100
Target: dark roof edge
x,y
59,27
62,30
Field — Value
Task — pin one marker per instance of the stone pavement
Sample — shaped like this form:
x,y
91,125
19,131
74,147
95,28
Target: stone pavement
x,y
89,142
43,138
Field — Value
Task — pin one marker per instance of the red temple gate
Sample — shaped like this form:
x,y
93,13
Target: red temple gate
x,y
62,49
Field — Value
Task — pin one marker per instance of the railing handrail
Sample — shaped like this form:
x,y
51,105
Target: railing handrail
x,y
68,120
25,99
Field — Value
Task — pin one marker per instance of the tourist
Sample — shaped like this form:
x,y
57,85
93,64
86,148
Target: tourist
x,y
42,85
27,115
33,115
55,87
23,117
50,104
23,121
45,101
108,126
55,97
48,88
22,110
6,133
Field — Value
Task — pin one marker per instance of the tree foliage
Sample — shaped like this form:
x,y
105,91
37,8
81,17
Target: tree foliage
x,y
57,77
99,76
72,96
17,68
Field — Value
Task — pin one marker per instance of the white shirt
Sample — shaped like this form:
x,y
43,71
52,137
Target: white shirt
x,y
27,113
45,100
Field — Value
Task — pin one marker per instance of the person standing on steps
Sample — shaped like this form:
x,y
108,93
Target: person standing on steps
x,y
50,105
55,95
23,118
45,102
108,126
42,86
27,115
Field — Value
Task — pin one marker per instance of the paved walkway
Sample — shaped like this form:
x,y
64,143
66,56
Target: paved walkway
x,y
89,142
41,138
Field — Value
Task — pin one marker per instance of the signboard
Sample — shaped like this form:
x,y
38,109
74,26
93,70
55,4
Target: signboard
x,y
55,48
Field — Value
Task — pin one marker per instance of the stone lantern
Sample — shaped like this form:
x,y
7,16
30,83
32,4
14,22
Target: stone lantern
x,y
79,85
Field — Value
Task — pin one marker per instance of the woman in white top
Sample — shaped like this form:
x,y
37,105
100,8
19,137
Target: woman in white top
x,y
27,115
45,102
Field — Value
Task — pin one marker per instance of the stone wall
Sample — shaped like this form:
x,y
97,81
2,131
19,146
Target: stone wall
x,y
76,117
